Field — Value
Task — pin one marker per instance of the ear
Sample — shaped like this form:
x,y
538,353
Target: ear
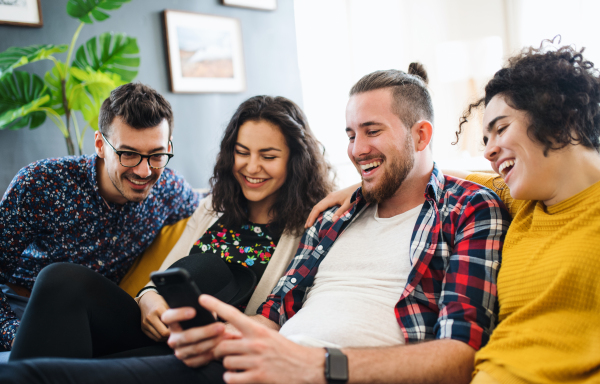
x,y
422,132
99,144
170,147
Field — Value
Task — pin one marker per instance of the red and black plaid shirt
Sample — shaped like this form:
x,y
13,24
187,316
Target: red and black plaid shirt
x,y
455,257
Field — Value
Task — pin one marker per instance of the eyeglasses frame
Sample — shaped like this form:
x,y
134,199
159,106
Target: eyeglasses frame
x,y
142,157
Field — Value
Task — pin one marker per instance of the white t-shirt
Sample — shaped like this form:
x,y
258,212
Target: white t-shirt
x,y
357,286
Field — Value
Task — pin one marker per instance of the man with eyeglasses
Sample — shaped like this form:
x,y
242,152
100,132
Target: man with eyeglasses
x,y
100,211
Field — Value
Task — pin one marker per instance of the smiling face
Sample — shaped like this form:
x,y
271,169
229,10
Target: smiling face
x,y
120,184
380,146
515,156
261,155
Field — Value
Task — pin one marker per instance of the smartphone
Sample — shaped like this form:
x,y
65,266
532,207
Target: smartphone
x,y
178,290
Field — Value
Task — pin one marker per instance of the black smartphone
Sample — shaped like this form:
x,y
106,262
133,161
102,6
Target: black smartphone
x,y
178,290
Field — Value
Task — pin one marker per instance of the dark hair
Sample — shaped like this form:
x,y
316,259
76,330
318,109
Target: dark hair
x,y
557,88
138,105
307,180
411,96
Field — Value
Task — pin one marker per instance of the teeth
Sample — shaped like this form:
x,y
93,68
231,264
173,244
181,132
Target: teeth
x,y
370,165
507,163
254,181
138,182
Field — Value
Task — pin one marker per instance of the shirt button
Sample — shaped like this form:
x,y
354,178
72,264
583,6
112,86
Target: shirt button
x,y
320,248
115,238
293,280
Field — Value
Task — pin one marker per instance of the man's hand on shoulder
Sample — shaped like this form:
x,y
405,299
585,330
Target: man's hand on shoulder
x,y
262,355
341,198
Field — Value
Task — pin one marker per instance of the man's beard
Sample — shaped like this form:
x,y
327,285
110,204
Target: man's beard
x,y
394,175
137,197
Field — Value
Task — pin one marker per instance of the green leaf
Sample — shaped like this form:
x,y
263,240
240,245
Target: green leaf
x,y
14,57
97,84
111,52
54,79
20,94
90,93
84,9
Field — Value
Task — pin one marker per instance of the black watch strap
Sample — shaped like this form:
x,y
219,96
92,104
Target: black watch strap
x,y
336,366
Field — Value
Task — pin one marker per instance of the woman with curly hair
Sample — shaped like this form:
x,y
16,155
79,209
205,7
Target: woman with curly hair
x,y
541,131
269,173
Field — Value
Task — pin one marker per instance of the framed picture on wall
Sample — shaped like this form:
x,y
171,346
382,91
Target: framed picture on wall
x,y
205,53
267,5
25,13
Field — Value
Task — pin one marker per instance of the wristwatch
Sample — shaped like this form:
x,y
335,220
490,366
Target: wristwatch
x,y
336,366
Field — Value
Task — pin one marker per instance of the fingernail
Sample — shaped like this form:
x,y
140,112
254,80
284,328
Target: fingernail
x,y
226,376
335,217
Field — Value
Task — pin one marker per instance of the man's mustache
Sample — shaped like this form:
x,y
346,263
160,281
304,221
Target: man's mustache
x,y
359,159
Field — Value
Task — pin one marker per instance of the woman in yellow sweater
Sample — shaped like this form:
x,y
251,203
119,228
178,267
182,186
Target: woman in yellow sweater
x,y
541,132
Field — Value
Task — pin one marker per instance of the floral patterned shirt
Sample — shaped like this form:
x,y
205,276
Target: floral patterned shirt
x,y
250,245
52,212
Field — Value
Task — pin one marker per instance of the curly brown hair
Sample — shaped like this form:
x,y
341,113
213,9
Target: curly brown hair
x,y
308,173
557,88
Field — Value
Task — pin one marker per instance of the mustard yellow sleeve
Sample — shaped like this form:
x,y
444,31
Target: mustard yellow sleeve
x,y
497,184
152,258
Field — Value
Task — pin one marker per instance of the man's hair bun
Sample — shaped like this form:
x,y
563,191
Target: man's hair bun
x,y
418,69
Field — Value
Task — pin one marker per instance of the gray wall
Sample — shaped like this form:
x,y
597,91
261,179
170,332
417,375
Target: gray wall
x,y
269,40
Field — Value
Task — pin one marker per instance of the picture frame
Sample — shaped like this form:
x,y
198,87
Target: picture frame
x,y
23,13
264,5
205,53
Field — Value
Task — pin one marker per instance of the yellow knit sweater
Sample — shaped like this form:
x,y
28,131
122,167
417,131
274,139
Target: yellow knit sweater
x,y
549,291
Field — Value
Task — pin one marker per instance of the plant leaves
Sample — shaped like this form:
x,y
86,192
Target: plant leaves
x,y
14,57
111,52
90,93
54,79
20,94
87,10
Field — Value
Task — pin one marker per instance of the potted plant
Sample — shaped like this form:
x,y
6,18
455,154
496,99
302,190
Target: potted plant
x,y
76,86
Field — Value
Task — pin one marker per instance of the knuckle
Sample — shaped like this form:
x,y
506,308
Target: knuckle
x,y
180,355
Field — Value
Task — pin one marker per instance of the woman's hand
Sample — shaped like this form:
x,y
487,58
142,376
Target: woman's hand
x,y
341,198
153,306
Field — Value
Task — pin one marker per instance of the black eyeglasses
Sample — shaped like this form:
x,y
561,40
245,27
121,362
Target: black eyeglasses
x,y
132,159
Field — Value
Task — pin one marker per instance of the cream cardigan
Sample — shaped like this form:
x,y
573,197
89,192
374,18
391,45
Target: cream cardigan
x,y
202,219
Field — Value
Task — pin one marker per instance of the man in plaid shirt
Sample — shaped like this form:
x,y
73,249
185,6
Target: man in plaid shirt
x,y
414,259
452,251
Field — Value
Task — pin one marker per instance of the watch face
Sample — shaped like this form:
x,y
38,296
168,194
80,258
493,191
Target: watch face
x,y
336,366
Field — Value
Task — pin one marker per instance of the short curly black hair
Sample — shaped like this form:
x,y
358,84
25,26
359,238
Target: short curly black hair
x,y
558,89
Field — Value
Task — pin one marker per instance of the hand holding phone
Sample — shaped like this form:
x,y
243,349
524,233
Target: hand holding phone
x,y
178,290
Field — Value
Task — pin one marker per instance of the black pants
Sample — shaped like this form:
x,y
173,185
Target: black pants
x,y
132,370
76,312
